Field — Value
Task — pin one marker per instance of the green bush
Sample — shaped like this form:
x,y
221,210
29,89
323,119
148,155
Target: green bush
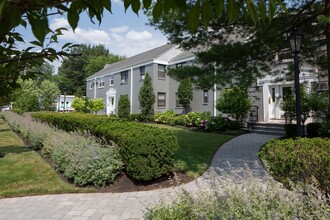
x,y
194,119
313,129
302,159
324,130
177,120
290,130
164,117
140,117
217,123
233,125
124,107
147,152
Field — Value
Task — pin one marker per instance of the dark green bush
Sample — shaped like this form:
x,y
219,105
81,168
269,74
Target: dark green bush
x,y
140,117
177,120
302,159
233,125
217,123
124,107
313,129
324,130
147,152
290,130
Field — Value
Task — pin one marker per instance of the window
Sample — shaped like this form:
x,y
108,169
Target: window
x,y
101,83
178,65
142,72
205,96
111,81
91,85
177,103
124,76
161,72
161,99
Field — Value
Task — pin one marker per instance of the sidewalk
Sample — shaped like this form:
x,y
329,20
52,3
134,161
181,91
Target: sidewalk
x,y
232,156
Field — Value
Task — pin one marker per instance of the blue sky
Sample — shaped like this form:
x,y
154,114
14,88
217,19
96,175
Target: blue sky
x,y
122,33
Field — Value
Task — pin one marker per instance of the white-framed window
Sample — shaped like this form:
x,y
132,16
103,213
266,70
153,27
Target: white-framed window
x,y
101,82
161,99
205,96
142,72
91,85
111,80
178,65
177,103
124,76
161,71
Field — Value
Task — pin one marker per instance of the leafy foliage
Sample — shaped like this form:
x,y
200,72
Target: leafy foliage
x,y
48,93
27,98
147,152
79,104
234,102
302,159
185,93
147,97
124,107
95,105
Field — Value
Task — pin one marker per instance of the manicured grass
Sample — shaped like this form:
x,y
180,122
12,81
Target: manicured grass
x,y
23,172
196,149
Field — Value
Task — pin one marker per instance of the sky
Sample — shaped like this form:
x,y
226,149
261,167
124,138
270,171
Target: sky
x,y
122,33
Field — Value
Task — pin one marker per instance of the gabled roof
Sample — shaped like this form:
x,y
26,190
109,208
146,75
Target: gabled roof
x,y
183,55
144,57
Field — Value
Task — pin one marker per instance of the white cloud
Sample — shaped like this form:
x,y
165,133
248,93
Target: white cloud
x,y
138,36
90,36
119,29
59,22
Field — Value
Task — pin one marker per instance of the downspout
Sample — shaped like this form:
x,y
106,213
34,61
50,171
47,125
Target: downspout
x,y
131,95
95,88
215,92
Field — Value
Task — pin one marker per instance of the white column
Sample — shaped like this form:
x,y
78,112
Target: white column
x,y
95,88
131,95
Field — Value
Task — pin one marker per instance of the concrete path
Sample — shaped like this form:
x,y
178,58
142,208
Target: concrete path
x,y
231,157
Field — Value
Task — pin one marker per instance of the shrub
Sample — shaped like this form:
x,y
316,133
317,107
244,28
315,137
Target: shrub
x,y
140,117
177,120
147,97
95,105
147,152
290,130
233,125
194,118
302,159
217,123
164,117
313,129
325,128
80,158
124,107
241,198
79,104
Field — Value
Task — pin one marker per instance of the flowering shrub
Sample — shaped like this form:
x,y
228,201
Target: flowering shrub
x,y
80,158
217,123
194,119
164,117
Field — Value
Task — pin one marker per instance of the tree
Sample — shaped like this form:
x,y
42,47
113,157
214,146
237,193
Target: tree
x,y
147,97
26,99
185,93
74,70
235,102
79,104
124,107
15,63
95,105
48,93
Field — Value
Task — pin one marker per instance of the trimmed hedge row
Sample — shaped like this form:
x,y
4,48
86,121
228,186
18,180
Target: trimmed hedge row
x,y
147,152
301,159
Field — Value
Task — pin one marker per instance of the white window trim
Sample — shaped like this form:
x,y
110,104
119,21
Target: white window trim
x,y
101,81
111,80
164,72
208,97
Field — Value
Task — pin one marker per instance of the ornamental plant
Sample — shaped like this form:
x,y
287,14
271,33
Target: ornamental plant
x,y
185,93
95,105
147,97
124,107
79,104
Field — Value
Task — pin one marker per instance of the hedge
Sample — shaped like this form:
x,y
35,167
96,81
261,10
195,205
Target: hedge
x,y
147,152
299,160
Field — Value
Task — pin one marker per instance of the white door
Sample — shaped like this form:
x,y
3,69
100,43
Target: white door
x,y
277,94
111,101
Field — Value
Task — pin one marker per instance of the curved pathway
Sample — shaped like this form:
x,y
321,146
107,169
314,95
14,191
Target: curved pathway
x,y
231,157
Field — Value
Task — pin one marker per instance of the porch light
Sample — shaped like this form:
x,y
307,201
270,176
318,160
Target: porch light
x,y
295,40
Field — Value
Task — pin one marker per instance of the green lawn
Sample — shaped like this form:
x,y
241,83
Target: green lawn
x,y
196,149
23,172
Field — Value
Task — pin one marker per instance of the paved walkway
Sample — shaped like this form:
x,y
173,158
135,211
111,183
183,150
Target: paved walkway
x,y
232,156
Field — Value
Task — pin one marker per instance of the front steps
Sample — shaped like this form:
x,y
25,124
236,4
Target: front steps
x,y
276,128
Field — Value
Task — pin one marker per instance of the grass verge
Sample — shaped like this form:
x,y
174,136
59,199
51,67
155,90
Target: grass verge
x,y
196,149
23,172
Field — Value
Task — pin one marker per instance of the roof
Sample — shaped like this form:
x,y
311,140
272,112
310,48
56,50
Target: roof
x,y
182,55
134,60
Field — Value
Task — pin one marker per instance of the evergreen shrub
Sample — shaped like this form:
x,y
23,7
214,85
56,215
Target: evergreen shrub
x,y
299,160
313,129
290,130
124,107
147,152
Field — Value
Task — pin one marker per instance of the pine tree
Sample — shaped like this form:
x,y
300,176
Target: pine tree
x,y
185,93
147,97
